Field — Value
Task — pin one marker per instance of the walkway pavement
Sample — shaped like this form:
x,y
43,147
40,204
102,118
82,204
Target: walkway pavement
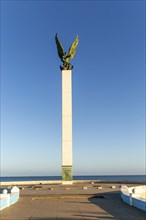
x,y
106,204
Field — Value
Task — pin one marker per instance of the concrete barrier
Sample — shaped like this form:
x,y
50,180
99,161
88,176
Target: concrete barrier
x,y
134,196
7,199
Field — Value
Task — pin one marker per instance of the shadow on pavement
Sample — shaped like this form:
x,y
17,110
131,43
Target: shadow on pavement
x,y
102,206
113,205
86,217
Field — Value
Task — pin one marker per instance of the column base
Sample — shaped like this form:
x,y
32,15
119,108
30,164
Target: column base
x,y
66,173
67,182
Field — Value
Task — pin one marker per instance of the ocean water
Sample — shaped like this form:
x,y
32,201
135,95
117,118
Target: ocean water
x,y
135,178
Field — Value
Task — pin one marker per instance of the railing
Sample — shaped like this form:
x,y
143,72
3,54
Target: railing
x,y
7,199
134,196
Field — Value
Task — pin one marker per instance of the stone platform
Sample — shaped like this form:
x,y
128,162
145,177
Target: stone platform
x,y
78,201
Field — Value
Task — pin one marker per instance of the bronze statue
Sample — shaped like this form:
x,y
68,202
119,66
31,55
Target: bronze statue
x,y
66,57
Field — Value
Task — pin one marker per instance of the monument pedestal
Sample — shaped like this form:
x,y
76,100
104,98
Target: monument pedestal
x,y
67,182
67,173
66,126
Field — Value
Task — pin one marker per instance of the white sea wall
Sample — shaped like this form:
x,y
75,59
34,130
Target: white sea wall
x,y
134,196
7,199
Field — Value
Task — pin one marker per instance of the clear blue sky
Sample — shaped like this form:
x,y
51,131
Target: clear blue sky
x,y
108,86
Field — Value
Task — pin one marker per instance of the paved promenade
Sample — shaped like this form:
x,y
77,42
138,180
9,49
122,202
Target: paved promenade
x,y
78,202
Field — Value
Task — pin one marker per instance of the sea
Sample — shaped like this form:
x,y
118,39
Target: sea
x,y
120,178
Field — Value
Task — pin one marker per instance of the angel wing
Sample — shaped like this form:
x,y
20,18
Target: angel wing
x,y
59,47
72,49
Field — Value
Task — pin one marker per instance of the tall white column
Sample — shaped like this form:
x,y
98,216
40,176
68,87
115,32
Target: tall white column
x,y
66,126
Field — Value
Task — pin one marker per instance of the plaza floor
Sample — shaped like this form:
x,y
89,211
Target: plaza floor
x,y
72,203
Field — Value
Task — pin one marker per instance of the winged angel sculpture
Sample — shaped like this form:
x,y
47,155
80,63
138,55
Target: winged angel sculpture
x,y
66,57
